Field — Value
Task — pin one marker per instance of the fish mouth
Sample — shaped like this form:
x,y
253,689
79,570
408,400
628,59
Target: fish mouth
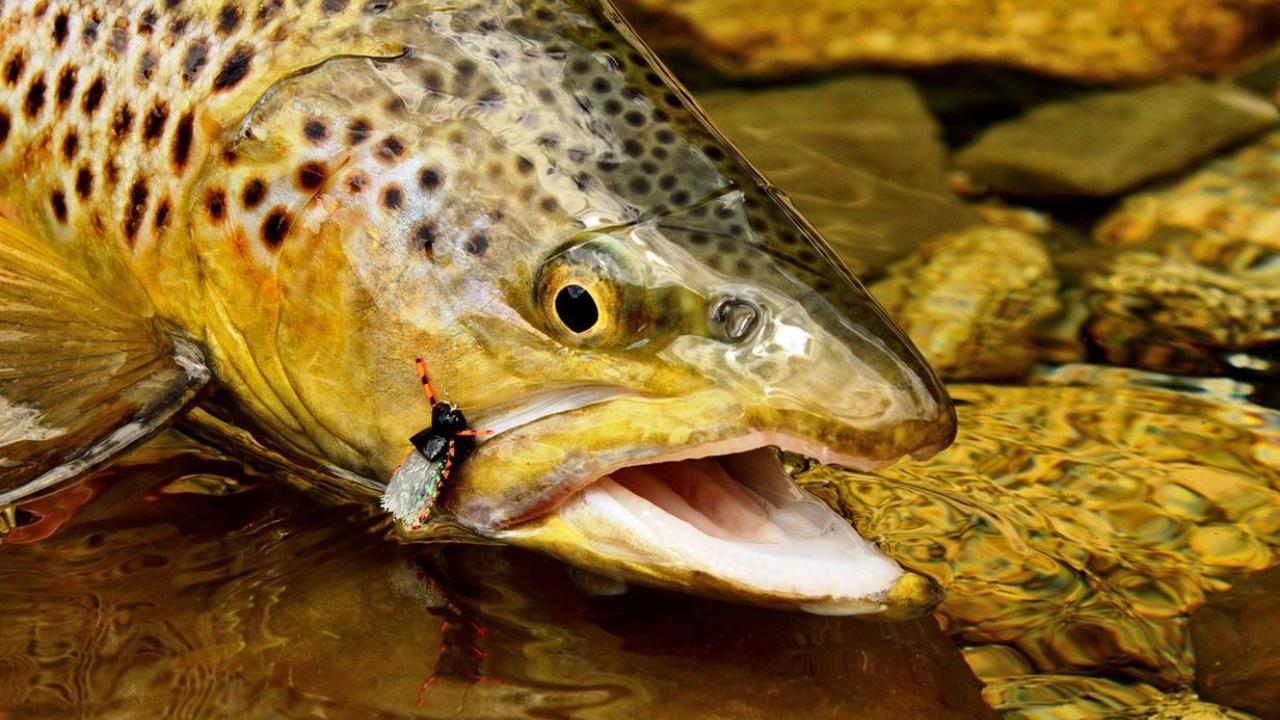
x,y
726,520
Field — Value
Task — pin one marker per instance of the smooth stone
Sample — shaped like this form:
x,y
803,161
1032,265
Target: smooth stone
x,y
1111,41
1106,143
1237,641
860,157
972,301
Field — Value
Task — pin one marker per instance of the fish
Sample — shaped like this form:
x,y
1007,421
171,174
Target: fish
x,y
248,217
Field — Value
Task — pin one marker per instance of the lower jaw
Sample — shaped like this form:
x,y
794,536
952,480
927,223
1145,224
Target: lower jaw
x,y
732,526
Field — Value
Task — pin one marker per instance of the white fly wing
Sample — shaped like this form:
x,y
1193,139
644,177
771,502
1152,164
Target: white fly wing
x,y
413,488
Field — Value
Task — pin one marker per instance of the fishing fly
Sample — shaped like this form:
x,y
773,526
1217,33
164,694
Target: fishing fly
x,y
437,450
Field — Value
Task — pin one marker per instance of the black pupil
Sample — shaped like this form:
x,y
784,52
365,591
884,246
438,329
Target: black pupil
x,y
576,308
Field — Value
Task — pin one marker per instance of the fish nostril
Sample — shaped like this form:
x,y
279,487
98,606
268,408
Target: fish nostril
x,y
734,319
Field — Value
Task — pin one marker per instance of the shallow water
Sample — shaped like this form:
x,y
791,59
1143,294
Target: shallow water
x,y
183,587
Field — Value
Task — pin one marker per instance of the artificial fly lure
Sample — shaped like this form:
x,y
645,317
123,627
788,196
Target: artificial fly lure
x,y
437,450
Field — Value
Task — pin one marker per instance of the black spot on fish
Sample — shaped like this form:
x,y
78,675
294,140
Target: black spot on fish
x,y
182,138
215,201
634,118
315,130
430,179
633,148
147,66
161,220
390,149
358,131
70,145
147,23
640,185
714,153
60,29
311,176
523,165
135,210
275,227
5,124
377,7
13,68
194,60
66,85
84,182
425,237
229,18
253,193
267,10
392,197
93,96
334,6
178,26
89,32
153,124
58,202
477,244
234,69
34,101
122,121
357,183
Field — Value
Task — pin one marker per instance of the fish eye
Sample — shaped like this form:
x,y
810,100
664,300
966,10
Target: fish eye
x,y
576,308
588,295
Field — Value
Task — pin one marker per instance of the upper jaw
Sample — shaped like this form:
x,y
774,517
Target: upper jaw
x,y
529,470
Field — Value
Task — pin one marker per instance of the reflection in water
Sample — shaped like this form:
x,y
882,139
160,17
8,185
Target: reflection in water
x,y
1077,523
177,583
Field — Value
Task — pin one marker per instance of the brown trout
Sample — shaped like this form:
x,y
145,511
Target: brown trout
x,y
266,210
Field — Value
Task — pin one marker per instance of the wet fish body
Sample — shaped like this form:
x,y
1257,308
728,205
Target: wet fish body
x,y
287,202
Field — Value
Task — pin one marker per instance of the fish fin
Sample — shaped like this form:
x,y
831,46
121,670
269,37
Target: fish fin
x,y
84,374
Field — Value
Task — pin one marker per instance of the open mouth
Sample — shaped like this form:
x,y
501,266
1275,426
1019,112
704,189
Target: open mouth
x,y
736,524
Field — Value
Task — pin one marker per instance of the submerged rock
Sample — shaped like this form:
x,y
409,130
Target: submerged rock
x,y
972,301
1226,212
861,157
1237,641
1096,41
1077,522
1105,143
1169,312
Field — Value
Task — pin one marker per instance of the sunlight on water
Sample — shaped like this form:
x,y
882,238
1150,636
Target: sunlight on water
x,y
1078,522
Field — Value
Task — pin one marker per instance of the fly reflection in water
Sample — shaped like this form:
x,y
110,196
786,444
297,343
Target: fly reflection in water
x,y
182,582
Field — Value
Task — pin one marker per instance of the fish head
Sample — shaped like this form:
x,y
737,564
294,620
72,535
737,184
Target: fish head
x,y
530,202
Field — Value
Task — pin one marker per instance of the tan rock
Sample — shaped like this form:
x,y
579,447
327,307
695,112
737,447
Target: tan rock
x,y
1106,143
1091,40
972,301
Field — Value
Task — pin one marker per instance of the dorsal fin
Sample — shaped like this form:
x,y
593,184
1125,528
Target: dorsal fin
x,y
84,373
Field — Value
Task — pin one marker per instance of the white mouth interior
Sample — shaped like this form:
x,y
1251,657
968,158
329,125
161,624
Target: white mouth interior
x,y
739,517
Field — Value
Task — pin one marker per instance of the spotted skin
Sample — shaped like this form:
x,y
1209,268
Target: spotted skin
x,y
318,189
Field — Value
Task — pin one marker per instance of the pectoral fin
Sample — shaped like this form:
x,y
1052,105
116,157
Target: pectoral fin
x,y
85,373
